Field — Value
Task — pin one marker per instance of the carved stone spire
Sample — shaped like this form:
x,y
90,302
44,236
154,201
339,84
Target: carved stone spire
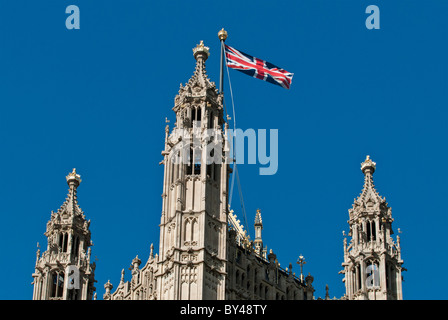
x,y
199,86
369,201
369,192
70,207
200,78
68,252
372,261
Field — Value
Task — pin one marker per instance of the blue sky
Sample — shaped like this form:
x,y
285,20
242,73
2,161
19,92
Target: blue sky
x,y
96,99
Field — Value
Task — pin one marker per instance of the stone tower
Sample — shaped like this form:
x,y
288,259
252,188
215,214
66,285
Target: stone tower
x,y
193,226
372,259
64,271
204,251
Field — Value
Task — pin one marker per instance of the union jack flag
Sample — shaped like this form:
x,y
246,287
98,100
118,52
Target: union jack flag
x,y
257,68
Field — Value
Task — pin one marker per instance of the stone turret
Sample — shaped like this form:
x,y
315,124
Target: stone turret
x,y
64,271
372,259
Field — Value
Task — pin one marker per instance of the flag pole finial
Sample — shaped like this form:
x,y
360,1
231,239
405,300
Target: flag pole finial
x,y
222,34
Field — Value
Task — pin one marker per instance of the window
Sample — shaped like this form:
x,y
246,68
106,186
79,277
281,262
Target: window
x,y
371,231
196,116
57,287
75,246
211,166
63,241
238,257
197,161
194,161
358,278
210,121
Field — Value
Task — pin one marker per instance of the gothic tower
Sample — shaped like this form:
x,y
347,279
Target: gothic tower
x,y
204,251
64,271
372,260
193,226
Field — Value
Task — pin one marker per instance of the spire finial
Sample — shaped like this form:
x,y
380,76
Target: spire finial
x,y
108,285
301,261
368,166
201,51
258,220
73,177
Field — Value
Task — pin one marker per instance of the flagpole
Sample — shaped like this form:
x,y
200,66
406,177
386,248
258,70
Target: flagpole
x,y
222,35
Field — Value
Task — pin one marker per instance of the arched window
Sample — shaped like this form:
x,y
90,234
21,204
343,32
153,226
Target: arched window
x,y
371,231
196,117
194,161
57,285
63,241
190,162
